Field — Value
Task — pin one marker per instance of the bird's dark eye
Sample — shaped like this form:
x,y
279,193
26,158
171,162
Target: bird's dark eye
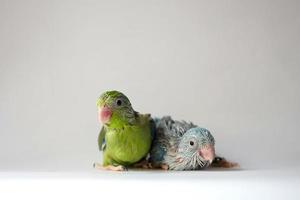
x,y
191,143
119,102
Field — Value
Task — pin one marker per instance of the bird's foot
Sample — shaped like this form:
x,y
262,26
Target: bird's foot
x,y
143,164
164,166
110,167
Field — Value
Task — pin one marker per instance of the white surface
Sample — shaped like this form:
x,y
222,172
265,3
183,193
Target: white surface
x,y
229,66
242,184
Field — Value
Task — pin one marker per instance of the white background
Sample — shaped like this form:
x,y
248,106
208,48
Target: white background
x,y
229,66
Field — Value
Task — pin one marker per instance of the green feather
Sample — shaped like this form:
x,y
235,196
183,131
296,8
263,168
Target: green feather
x,y
127,134
101,137
129,144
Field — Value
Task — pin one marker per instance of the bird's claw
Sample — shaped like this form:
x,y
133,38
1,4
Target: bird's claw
x,y
164,166
143,164
110,167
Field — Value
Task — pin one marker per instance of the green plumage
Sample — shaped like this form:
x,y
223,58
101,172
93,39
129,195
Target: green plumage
x,y
127,134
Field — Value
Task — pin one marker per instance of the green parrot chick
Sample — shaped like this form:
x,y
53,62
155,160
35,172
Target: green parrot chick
x,y
127,134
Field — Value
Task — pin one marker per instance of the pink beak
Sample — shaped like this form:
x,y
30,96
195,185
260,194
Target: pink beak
x,y
208,153
104,114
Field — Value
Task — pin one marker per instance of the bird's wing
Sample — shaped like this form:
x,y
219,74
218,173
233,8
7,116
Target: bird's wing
x,y
173,127
167,132
101,139
147,120
152,128
181,127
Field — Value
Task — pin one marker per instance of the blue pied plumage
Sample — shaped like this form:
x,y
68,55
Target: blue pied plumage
x,y
180,145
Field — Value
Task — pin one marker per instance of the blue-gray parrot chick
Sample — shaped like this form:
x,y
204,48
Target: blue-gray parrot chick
x,y
181,146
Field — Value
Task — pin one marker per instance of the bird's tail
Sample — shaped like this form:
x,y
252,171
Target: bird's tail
x,y
223,163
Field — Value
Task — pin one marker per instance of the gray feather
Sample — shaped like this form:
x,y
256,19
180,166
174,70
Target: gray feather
x,y
169,136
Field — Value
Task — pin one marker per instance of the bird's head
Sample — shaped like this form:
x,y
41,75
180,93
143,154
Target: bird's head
x,y
114,108
197,148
